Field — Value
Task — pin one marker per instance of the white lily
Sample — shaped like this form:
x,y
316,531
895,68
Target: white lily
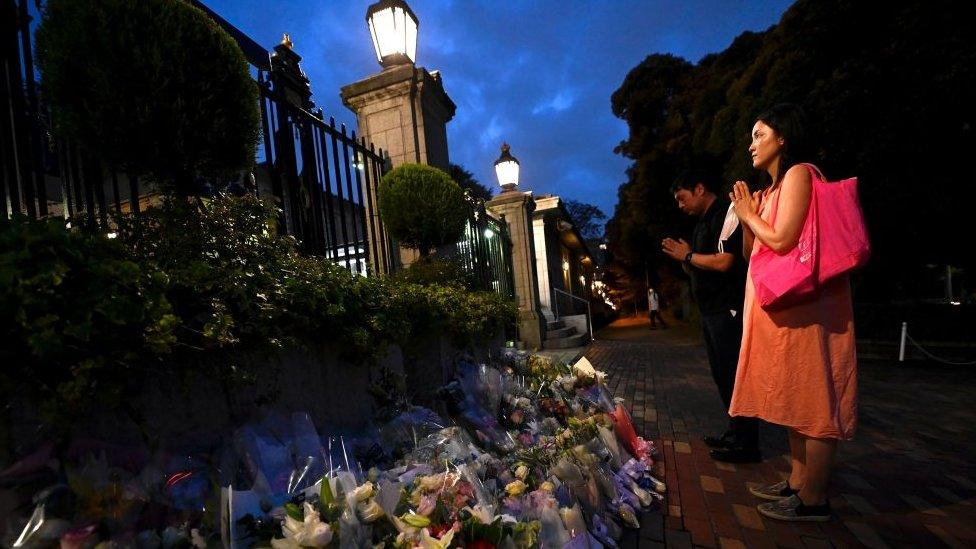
x,y
369,511
362,493
310,532
482,513
428,541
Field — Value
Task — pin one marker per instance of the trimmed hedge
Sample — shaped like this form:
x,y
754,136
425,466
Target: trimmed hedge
x,y
153,87
179,287
422,207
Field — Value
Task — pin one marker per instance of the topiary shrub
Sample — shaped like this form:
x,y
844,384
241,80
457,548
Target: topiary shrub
x,y
153,87
422,207
433,270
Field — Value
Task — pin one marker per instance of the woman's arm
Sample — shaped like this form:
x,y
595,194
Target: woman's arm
x,y
794,202
747,239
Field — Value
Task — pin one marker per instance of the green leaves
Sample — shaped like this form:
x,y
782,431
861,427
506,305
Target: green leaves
x,y
422,207
84,316
325,494
414,312
166,92
294,511
524,534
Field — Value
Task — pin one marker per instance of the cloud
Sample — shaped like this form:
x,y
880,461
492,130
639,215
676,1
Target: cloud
x,y
563,100
536,74
491,133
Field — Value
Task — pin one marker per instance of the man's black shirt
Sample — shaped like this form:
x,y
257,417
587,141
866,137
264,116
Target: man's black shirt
x,y
718,291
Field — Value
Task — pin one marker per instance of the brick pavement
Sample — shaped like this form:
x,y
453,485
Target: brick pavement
x,y
907,480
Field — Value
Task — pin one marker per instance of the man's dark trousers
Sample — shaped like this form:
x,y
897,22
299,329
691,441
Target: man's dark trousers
x,y
723,335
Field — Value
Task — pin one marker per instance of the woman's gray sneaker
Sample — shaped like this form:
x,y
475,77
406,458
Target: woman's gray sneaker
x,y
773,492
793,509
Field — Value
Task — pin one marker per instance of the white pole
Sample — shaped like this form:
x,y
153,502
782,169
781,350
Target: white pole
x,y
949,283
589,317
901,349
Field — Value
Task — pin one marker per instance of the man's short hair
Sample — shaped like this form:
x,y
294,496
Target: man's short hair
x,y
688,179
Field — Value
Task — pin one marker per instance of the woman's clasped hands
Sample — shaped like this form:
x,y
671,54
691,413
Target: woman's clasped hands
x,y
745,203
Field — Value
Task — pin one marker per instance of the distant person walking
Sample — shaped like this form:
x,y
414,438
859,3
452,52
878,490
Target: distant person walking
x,y
714,262
654,309
797,366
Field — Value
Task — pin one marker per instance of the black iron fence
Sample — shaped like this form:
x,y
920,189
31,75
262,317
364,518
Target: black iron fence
x,y
42,175
23,146
485,251
323,177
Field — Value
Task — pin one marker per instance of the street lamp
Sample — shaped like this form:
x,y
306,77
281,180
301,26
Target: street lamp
x,y
507,169
393,27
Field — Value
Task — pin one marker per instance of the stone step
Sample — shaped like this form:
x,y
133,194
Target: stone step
x,y
560,332
577,340
555,325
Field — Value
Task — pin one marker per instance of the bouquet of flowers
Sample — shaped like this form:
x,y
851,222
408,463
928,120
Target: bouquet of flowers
x,y
529,453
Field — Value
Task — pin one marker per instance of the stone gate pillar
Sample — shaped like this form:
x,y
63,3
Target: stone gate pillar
x,y
404,110
517,208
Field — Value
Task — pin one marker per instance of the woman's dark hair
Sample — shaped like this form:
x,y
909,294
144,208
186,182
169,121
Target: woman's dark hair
x,y
790,123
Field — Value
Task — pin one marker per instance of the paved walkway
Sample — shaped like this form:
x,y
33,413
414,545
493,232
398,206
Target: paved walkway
x,y
907,480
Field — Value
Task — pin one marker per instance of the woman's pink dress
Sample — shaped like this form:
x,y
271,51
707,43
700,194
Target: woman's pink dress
x,y
797,365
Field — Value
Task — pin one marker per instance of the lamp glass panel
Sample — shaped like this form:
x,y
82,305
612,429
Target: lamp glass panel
x,y
399,44
411,39
507,172
393,32
384,21
372,34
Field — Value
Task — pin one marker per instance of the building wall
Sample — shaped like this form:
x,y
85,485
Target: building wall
x,y
542,264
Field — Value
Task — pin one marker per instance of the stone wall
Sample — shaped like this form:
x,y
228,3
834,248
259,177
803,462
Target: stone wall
x,y
200,411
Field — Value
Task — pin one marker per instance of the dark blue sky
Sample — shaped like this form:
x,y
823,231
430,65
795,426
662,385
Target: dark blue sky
x,y
536,74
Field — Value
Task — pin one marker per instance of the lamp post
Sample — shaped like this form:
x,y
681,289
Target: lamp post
x,y
507,169
403,108
516,209
393,27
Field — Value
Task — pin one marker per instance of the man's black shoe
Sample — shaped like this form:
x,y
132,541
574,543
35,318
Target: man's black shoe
x,y
736,455
719,442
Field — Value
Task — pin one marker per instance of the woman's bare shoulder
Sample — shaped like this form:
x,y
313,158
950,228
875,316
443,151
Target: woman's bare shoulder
x,y
797,177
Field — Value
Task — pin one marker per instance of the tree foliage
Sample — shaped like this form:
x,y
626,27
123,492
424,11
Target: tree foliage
x,y
586,217
889,92
467,181
422,207
153,87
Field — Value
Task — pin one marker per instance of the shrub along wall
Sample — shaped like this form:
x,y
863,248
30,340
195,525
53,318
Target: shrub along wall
x,y
189,292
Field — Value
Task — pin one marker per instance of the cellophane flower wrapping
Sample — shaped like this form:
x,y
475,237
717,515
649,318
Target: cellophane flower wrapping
x,y
526,452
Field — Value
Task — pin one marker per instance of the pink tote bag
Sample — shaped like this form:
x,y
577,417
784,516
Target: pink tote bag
x,y
833,241
844,245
